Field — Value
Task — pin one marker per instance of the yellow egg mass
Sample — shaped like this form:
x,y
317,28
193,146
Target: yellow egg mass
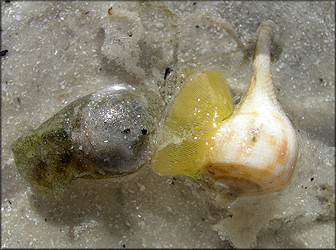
x,y
191,124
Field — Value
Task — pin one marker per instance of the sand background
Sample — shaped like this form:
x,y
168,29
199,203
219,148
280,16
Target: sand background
x,y
59,51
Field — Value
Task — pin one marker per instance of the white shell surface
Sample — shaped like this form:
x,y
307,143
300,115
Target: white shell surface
x,y
259,147
255,150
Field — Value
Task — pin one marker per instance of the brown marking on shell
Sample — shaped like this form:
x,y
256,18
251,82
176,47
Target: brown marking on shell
x,y
243,176
272,140
253,114
283,151
274,143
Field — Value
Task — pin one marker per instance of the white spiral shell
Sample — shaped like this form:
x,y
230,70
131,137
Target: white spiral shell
x,y
255,150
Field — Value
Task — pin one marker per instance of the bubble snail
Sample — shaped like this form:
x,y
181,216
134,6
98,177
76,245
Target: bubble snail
x,y
101,135
247,150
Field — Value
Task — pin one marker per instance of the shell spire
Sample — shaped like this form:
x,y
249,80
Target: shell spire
x,y
255,150
261,85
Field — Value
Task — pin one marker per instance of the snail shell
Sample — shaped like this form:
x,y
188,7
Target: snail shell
x,y
255,150
101,135
252,151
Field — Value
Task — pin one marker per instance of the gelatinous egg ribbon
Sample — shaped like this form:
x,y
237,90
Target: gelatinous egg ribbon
x,y
192,123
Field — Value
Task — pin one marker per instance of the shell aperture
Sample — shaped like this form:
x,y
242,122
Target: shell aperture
x,y
183,142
